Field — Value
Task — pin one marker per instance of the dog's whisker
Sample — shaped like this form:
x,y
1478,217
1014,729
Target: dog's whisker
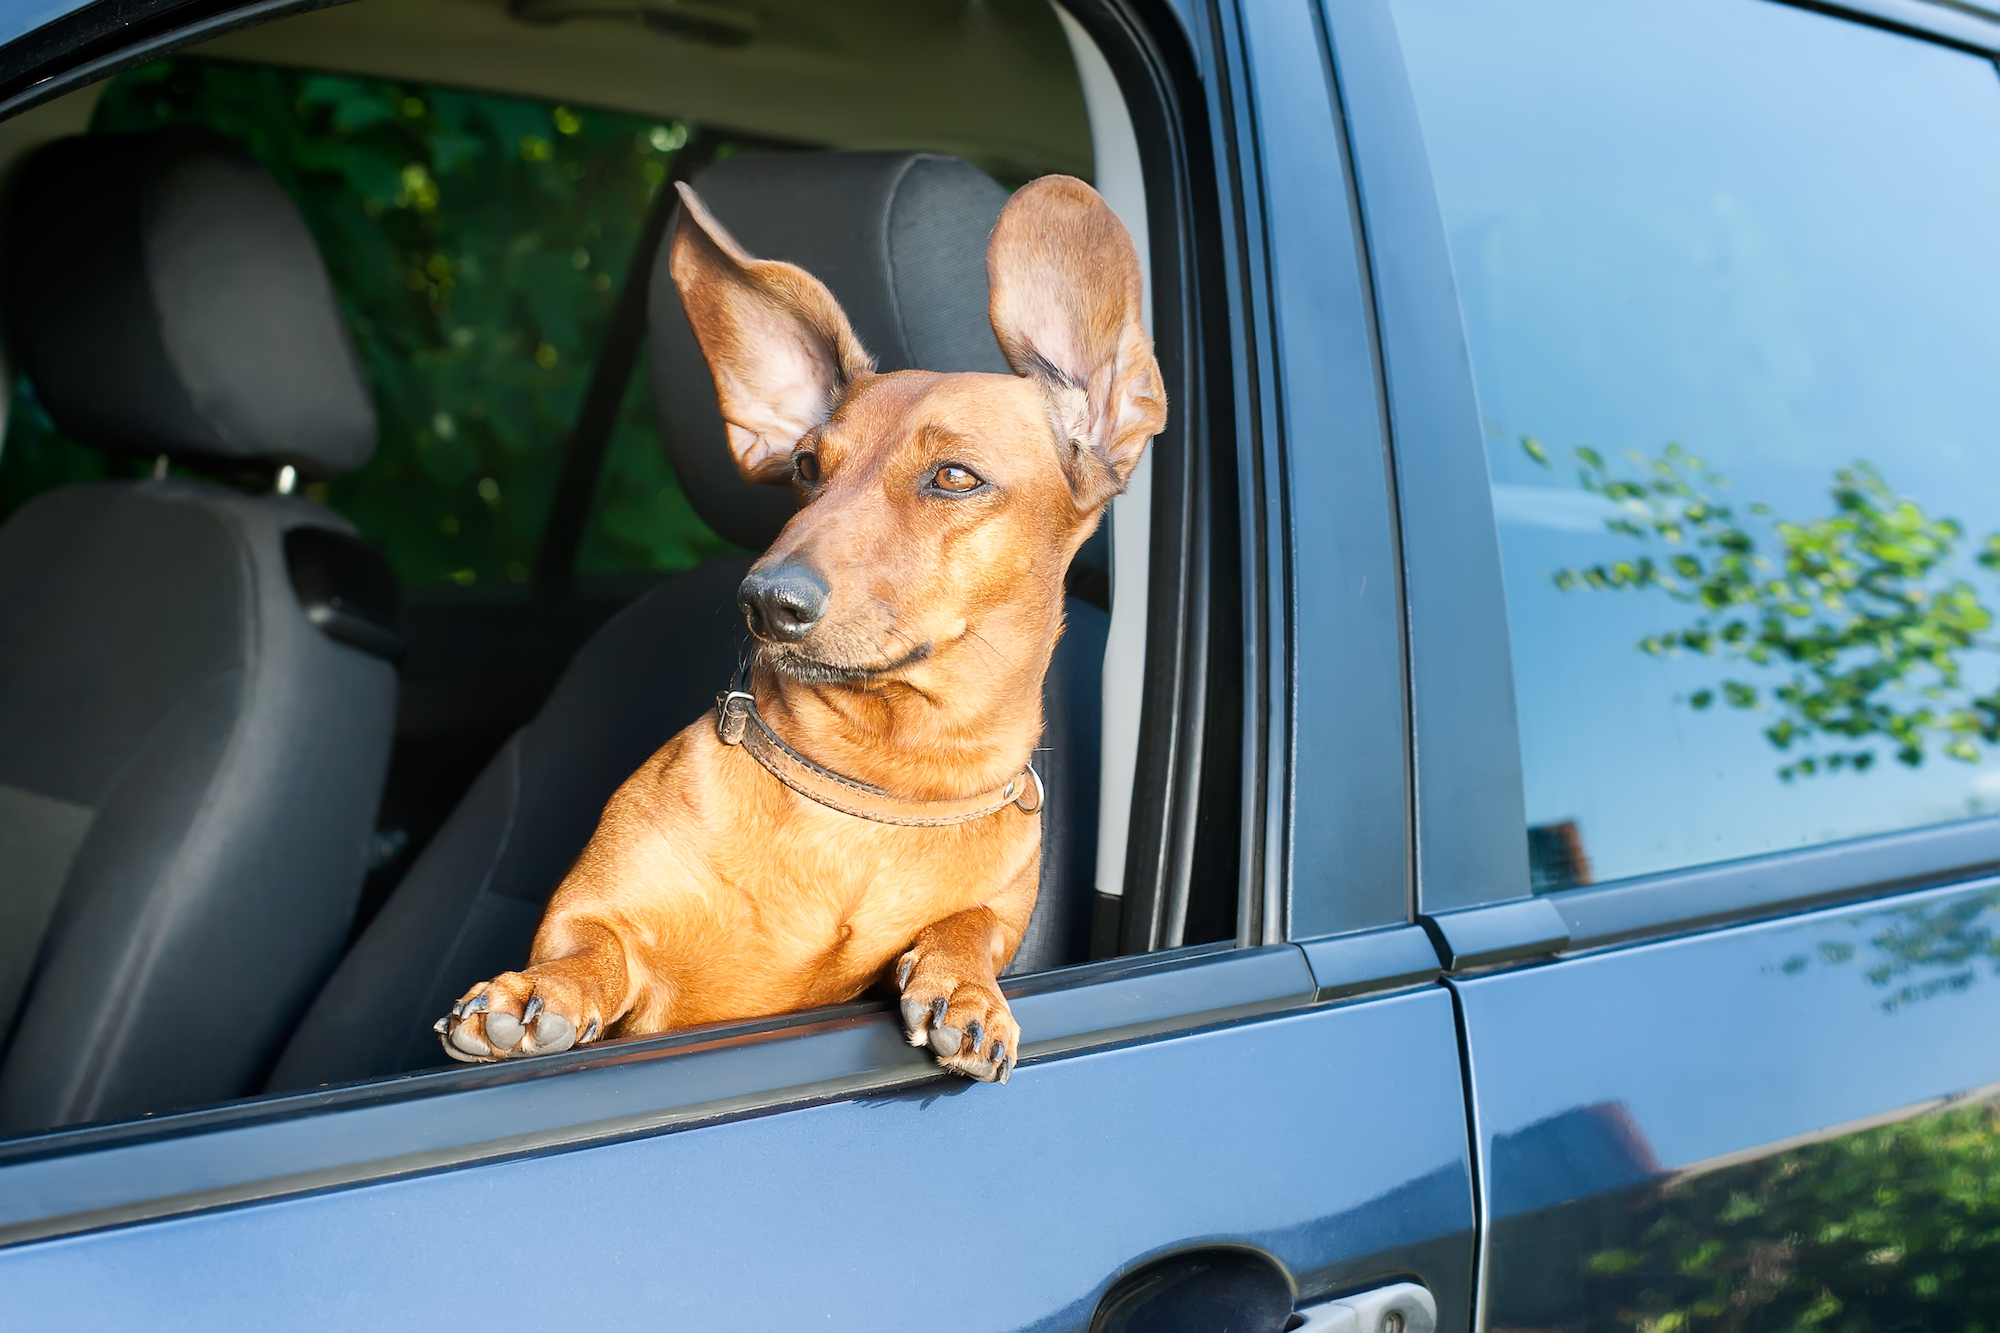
x,y
1004,659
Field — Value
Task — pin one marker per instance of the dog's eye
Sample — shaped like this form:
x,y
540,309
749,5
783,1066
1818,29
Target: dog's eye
x,y
805,467
952,477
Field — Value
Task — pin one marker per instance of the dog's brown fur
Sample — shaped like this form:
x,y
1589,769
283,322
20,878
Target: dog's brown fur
x,y
710,891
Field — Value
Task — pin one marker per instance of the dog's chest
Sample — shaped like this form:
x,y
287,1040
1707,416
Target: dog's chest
x,y
848,896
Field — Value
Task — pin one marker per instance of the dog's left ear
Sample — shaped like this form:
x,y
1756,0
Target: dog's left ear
x,y
778,344
1065,305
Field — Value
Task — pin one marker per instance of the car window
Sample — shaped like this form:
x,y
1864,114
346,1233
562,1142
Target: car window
x,y
479,206
477,243
1733,308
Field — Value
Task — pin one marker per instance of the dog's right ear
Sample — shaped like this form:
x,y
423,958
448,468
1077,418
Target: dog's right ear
x,y
1065,286
778,344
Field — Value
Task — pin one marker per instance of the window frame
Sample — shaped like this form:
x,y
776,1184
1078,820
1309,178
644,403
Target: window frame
x,y
1338,669
68,1181
1472,866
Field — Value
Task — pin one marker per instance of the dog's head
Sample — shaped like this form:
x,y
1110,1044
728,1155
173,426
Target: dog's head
x,y
938,512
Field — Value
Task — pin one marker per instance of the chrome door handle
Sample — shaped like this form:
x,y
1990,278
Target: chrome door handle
x,y
1402,1307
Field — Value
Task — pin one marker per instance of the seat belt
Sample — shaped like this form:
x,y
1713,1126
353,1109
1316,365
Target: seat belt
x,y
583,450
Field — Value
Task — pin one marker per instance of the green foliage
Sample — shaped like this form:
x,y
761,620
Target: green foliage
x,y
1857,606
477,244
1892,1227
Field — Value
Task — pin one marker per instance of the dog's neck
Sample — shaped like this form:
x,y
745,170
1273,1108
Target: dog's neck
x,y
968,722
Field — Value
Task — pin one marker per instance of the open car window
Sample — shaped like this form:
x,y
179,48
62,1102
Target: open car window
x,y
480,182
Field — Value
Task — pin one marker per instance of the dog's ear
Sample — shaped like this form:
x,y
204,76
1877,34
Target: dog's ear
x,y
1065,305
778,344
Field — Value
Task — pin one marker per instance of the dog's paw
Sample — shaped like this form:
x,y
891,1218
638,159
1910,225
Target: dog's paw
x,y
965,1021
513,1015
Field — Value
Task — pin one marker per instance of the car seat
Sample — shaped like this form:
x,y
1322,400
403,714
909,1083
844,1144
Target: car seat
x,y
900,238
196,696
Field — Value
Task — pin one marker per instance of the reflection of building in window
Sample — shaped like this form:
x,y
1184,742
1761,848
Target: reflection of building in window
x,y
1556,859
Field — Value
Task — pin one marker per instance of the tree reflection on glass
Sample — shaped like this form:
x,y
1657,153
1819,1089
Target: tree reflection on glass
x,y
1860,609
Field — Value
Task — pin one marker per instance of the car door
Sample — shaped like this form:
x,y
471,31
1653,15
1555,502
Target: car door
x,y
1687,316
1284,1102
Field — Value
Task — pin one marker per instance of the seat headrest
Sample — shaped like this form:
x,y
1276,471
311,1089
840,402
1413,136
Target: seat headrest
x,y
900,240
165,297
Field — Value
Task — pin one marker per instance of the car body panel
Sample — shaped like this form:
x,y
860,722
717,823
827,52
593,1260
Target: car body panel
x,y
1625,1099
1332,1139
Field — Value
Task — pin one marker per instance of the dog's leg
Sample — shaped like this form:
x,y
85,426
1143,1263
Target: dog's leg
x,y
950,983
559,1002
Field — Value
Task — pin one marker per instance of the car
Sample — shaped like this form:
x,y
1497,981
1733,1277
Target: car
x,y
1523,808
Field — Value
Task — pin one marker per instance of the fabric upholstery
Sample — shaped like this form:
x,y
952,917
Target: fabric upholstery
x,y
468,908
165,297
898,238
195,767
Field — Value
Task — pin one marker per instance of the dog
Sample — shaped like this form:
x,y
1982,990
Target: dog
x,y
860,807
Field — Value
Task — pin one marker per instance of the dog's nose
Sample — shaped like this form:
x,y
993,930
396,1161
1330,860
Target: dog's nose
x,y
783,603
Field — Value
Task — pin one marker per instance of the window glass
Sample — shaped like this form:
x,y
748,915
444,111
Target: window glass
x,y
1732,295
477,244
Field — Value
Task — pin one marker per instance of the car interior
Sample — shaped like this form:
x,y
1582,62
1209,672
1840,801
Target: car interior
x,y
271,794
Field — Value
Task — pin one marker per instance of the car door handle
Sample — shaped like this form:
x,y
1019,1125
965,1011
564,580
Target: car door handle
x,y
1403,1307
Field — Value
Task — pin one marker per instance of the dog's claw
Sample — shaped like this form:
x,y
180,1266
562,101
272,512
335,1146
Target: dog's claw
x,y
999,1049
478,1004
903,972
946,1040
590,1033
938,1006
534,1007
442,1026
1006,1069
976,1032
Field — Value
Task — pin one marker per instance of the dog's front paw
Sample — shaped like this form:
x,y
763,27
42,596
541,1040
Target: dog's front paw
x,y
964,1020
515,1014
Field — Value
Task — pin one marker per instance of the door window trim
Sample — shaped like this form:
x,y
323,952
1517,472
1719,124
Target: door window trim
x,y
1341,697
1470,816
71,1181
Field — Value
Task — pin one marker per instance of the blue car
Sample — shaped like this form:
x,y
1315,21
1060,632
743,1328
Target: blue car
x,y
1522,831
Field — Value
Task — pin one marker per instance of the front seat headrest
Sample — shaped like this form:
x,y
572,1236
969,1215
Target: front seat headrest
x,y
900,240
164,296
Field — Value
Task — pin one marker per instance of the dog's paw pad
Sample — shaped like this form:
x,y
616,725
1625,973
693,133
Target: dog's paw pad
x,y
503,1031
552,1033
465,1043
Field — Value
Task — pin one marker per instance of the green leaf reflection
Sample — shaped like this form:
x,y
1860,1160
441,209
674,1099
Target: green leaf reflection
x,y
1857,612
1892,1227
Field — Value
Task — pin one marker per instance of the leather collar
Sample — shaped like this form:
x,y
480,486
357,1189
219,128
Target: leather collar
x,y
737,723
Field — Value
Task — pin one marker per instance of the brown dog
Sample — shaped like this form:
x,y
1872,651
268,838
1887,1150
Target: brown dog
x,y
861,805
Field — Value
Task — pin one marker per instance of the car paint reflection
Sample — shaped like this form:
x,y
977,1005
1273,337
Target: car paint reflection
x,y
1751,1128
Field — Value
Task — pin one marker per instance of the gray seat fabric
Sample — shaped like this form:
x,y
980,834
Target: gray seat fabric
x,y
164,295
189,764
900,238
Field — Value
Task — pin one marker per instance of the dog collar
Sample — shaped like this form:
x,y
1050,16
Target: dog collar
x,y
737,723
